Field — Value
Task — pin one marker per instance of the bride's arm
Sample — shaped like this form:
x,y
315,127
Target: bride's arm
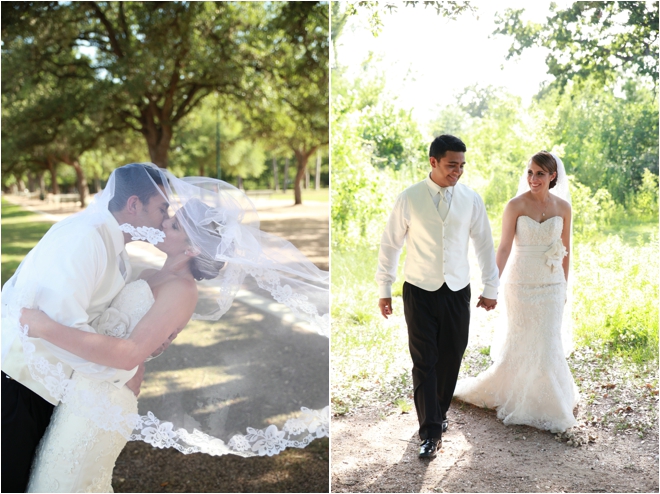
x,y
566,238
509,217
170,312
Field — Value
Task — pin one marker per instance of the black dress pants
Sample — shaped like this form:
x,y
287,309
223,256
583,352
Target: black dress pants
x,y
438,326
25,416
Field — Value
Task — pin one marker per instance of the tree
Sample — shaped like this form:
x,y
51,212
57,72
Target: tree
x,y
152,62
597,40
294,112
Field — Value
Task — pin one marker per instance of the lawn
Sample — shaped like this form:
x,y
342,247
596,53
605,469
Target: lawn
x,y
21,230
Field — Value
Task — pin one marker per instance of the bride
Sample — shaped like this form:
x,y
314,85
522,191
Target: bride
x,y
530,382
213,235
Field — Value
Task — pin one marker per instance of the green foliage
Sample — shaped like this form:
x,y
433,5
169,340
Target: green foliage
x,y
645,201
615,290
194,146
590,39
608,141
80,76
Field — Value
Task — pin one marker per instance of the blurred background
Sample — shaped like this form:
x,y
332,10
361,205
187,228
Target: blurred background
x,y
509,78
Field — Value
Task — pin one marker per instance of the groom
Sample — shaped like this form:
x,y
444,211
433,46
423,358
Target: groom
x,y
81,267
437,217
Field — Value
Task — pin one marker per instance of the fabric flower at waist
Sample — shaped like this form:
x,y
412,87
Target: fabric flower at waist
x,y
113,323
555,254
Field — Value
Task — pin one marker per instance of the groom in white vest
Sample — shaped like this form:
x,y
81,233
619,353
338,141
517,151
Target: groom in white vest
x,y
80,268
437,217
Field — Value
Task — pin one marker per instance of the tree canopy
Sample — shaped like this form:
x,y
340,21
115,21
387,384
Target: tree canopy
x,y
597,40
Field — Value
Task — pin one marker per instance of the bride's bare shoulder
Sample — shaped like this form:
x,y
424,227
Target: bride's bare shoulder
x,y
563,205
517,204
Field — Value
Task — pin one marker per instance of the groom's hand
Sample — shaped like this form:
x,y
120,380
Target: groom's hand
x,y
487,303
136,381
385,306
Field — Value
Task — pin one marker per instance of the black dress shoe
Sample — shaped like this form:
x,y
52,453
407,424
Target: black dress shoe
x,y
428,448
445,425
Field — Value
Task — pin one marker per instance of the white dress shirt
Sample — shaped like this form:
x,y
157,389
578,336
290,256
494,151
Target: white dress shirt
x,y
76,264
437,247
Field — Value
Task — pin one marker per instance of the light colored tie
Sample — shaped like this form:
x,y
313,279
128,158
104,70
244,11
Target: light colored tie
x,y
122,265
443,205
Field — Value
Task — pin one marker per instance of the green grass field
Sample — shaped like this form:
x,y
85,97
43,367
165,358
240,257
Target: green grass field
x,y
21,230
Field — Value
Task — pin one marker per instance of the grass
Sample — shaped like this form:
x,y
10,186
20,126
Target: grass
x,y
615,293
367,357
21,230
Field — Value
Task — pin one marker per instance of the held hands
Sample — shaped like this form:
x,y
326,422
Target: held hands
x,y
487,303
385,306
35,320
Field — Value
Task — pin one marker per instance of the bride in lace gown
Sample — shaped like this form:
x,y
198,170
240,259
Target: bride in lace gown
x,y
76,454
530,382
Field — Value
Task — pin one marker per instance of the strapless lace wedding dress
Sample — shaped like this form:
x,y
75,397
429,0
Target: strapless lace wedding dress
x,y
530,383
76,455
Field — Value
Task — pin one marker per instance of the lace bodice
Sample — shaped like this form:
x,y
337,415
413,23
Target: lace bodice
x,y
531,232
128,307
538,252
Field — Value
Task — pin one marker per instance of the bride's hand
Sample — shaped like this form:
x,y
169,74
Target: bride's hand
x,y
35,319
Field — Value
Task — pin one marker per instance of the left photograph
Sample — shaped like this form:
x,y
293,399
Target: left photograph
x,y
165,246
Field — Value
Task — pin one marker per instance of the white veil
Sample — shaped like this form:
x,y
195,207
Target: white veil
x,y
561,190
254,386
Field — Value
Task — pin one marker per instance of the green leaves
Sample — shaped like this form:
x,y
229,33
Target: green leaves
x,y
597,40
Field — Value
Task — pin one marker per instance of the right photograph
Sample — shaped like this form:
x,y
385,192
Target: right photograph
x,y
494,231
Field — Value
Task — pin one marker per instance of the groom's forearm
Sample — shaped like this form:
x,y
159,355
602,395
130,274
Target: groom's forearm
x,y
100,349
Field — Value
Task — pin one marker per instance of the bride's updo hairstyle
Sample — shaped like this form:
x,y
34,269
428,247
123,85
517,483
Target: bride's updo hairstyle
x,y
202,266
546,161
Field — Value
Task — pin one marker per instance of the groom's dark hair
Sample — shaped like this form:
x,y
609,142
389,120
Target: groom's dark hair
x,y
444,143
136,179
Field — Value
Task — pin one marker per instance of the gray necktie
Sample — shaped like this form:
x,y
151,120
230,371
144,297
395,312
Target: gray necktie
x,y
122,265
443,205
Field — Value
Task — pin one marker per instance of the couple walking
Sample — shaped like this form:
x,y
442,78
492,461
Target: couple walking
x,y
529,382
76,332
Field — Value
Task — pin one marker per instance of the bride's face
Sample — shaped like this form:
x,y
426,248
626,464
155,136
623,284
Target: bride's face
x,y
176,241
538,178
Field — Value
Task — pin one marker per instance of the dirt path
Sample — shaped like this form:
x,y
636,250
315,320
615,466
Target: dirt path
x,y
480,454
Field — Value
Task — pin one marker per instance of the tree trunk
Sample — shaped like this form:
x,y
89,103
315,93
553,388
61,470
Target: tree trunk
x,y
158,153
157,134
32,182
285,181
306,178
81,180
276,181
52,168
20,183
42,185
201,170
239,182
317,177
302,157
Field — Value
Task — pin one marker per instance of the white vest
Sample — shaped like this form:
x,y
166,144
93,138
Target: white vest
x,y
107,287
437,249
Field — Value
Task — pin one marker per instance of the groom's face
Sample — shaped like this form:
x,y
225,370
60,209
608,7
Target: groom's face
x,y
153,213
446,171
